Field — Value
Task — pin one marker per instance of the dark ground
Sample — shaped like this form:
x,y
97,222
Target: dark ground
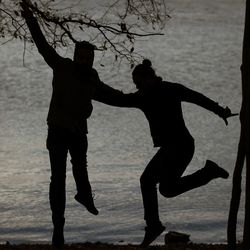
x,y
102,246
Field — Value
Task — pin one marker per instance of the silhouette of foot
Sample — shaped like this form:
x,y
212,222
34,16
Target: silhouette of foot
x,y
58,238
215,170
151,233
87,202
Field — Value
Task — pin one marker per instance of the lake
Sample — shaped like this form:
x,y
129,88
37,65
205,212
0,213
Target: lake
x,y
201,49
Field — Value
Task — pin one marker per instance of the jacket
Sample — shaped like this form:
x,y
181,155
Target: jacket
x,y
161,105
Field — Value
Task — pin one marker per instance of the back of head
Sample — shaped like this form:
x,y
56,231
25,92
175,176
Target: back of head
x,y
144,76
144,70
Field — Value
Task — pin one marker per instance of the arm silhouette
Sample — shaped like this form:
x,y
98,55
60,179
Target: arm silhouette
x,y
114,97
49,54
192,96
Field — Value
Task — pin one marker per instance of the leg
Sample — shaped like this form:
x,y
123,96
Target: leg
x,y
177,159
158,169
149,180
172,184
57,146
78,151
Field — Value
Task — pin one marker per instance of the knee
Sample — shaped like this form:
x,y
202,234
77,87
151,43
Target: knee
x,y
79,162
146,181
167,190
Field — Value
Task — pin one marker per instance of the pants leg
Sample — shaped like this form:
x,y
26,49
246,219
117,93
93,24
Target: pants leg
x,y
168,164
57,146
78,151
172,182
186,183
148,182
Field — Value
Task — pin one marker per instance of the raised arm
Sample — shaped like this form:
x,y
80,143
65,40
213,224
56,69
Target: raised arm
x,y
49,54
192,96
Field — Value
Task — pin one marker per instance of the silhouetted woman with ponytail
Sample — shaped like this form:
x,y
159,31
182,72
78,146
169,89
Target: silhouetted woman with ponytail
x,y
161,103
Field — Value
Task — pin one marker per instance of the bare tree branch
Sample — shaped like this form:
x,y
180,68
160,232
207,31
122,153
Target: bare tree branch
x,y
117,30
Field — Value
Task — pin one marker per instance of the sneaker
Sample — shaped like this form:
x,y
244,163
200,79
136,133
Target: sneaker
x,y
151,233
58,238
88,203
215,170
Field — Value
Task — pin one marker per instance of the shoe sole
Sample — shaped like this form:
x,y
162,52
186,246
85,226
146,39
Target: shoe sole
x,y
221,172
94,212
143,245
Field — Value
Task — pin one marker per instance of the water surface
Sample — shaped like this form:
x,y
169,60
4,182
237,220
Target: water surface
x,y
201,49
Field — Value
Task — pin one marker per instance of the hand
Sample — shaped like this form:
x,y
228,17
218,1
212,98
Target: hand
x,y
27,2
227,113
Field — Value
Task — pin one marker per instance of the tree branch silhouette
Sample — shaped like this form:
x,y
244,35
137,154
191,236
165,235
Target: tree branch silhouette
x,y
117,30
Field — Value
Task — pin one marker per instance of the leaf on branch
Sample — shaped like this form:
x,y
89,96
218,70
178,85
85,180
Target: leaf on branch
x,y
132,65
123,27
16,13
132,49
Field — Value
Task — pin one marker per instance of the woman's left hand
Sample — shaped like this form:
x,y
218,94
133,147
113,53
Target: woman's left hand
x,y
227,113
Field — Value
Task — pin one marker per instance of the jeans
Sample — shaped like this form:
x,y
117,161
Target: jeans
x,y
166,169
59,142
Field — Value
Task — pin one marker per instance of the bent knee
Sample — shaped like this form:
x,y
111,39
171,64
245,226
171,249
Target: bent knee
x,y
143,180
167,191
147,181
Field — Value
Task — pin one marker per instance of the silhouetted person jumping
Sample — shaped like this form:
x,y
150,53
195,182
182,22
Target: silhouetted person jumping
x,y
161,103
75,83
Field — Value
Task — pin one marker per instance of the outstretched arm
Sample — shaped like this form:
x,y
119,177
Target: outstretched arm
x,y
49,54
114,97
192,96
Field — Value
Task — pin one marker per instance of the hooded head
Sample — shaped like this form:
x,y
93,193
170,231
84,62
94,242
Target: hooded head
x,y
84,54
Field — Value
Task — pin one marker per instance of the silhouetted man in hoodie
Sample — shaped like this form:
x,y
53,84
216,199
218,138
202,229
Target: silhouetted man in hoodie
x,y
75,83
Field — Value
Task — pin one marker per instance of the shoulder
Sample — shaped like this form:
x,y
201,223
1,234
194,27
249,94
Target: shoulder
x,y
66,62
63,64
175,87
172,84
94,75
94,72
172,91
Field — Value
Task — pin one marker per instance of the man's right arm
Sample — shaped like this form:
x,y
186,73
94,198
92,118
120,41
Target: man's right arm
x,y
49,54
